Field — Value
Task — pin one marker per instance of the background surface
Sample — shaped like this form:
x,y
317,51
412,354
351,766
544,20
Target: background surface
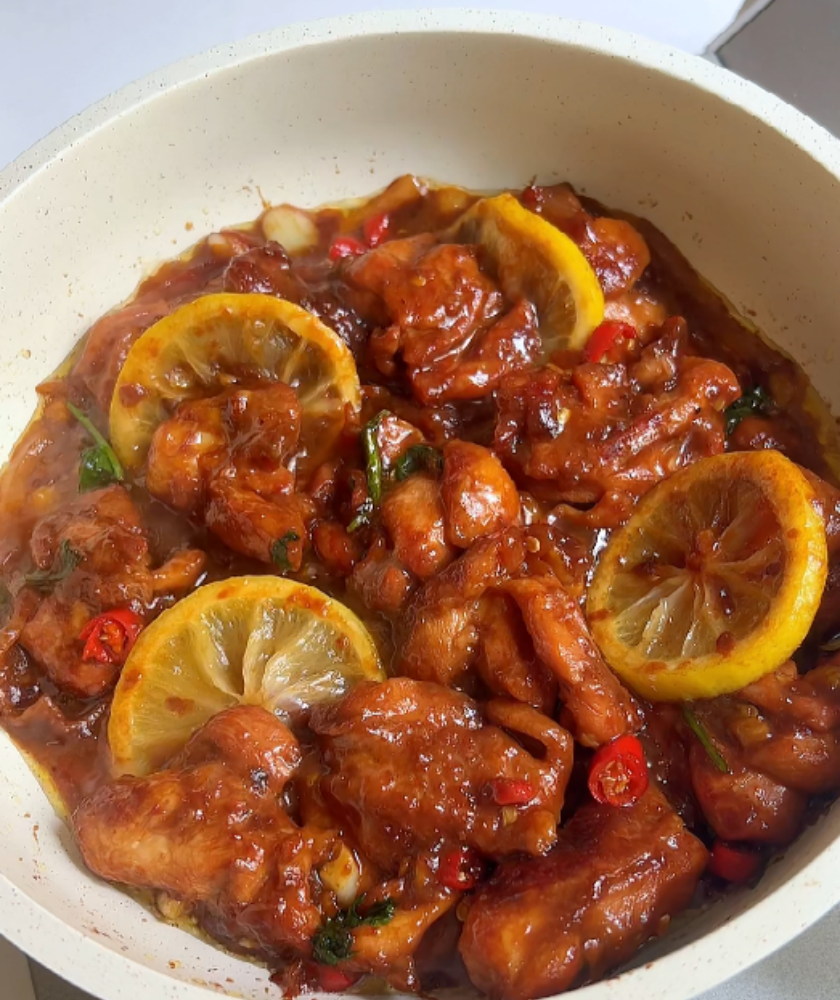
x,y
58,56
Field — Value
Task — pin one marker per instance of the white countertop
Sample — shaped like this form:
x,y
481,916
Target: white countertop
x,y
58,56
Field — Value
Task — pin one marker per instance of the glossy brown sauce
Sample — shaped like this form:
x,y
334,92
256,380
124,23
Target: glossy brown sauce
x,y
64,733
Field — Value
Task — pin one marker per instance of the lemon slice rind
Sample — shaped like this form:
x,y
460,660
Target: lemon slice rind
x,y
536,261
772,592
224,339
258,640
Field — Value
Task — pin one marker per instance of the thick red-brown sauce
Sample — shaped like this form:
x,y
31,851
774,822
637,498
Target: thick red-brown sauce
x,y
65,733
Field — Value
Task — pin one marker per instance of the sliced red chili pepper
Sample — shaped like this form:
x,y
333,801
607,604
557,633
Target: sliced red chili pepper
x,y
460,868
604,336
346,246
618,773
532,197
733,864
376,229
108,638
512,792
333,980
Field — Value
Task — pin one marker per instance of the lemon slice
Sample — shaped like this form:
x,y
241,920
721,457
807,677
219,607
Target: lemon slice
x,y
225,339
252,640
535,261
715,579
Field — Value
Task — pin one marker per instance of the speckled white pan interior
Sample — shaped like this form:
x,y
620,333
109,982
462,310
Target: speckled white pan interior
x,y
747,187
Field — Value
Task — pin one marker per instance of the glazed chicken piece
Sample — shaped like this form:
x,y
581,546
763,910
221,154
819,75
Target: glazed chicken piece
x,y
107,345
448,633
244,434
478,495
208,830
413,514
597,430
615,879
413,766
593,696
381,581
272,531
226,458
433,308
615,250
100,545
269,270
745,803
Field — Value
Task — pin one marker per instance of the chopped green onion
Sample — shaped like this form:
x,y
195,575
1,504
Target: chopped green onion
x,y
831,645
280,550
45,579
755,400
697,727
418,458
99,465
373,456
333,942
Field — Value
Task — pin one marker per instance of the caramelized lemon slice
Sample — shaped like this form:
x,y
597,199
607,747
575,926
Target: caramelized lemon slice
x,y
715,579
220,340
535,261
254,640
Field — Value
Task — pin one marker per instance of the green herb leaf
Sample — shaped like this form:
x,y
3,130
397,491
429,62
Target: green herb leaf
x,y
379,914
696,726
280,550
333,942
99,465
418,458
373,456
45,579
363,516
755,400
831,644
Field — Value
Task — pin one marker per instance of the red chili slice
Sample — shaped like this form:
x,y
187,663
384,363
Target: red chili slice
x,y
618,773
532,197
333,980
460,869
376,229
108,638
604,336
733,864
346,246
512,792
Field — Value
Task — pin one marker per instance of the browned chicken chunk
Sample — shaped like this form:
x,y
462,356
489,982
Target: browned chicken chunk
x,y
412,766
616,878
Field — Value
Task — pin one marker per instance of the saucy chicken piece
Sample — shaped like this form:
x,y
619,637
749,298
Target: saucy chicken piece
x,y
447,634
208,829
602,708
225,458
381,581
615,879
246,434
743,804
478,495
269,270
413,766
413,514
615,250
600,429
506,660
107,345
189,828
102,535
431,304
